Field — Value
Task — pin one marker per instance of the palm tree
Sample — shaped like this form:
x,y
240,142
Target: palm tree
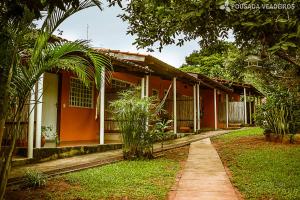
x,y
29,65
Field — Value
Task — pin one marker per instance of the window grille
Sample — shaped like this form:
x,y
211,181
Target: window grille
x,y
80,94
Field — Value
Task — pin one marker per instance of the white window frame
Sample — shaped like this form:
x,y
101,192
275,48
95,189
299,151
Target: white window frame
x,y
92,97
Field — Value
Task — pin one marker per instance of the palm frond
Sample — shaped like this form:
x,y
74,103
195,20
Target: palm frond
x,y
76,57
57,16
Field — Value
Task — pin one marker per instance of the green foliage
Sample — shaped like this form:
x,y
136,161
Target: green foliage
x,y
159,130
279,82
223,60
263,170
25,56
132,112
279,115
34,178
140,179
16,9
239,134
275,31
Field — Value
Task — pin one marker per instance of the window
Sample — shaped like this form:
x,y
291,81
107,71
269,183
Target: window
x,y
120,84
80,95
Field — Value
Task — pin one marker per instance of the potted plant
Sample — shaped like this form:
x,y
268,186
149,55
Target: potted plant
x,y
45,132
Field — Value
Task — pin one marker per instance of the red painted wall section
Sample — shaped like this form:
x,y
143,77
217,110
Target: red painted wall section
x,y
77,124
207,95
235,97
207,120
161,85
221,99
126,77
184,89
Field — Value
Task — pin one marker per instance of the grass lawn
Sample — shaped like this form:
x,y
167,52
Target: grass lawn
x,y
124,180
260,169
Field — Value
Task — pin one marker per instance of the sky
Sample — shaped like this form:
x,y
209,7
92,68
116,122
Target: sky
x,y
106,30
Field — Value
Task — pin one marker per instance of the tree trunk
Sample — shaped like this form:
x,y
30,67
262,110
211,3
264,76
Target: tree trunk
x,y
6,158
5,167
7,61
4,95
2,126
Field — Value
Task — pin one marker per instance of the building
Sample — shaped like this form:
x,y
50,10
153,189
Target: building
x,y
78,115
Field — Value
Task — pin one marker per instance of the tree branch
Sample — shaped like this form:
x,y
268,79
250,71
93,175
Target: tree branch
x,y
287,58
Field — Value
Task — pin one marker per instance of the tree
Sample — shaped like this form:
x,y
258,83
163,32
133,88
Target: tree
x,y
276,31
222,60
23,65
279,81
16,28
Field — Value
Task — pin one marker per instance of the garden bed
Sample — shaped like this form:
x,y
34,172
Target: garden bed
x,y
261,169
145,179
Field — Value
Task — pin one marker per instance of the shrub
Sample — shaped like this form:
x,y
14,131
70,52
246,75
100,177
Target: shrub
x,y
159,130
34,178
279,115
132,112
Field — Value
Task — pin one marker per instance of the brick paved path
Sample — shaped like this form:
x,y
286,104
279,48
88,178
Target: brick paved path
x,y
204,176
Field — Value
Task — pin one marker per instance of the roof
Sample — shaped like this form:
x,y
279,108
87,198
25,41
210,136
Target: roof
x,y
238,87
157,66
130,66
165,70
211,83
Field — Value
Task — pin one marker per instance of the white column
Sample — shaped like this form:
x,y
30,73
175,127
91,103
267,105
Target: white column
x,y
215,108
102,106
198,104
195,108
245,105
174,106
143,88
250,109
39,111
227,114
31,123
147,86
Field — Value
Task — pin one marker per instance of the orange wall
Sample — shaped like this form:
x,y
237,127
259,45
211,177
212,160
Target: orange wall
x,y
221,98
207,120
161,85
76,124
126,77
79,124
234,97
